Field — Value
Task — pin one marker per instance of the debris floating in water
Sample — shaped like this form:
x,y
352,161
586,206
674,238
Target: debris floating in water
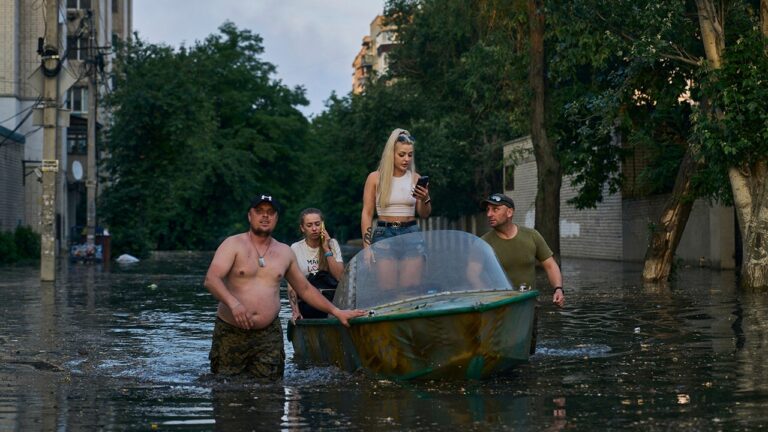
x,y
127,259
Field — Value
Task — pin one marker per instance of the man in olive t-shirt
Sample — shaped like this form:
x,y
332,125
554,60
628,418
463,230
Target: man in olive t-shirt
x,y
518,248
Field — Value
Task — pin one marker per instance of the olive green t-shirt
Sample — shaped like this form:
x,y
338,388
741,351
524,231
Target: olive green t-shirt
x,y
519,254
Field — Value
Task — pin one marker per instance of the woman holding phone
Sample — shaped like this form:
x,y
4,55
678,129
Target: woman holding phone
x,y
397,196
319,259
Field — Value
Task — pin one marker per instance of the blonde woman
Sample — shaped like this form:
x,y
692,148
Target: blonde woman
x,y
319,259
392,191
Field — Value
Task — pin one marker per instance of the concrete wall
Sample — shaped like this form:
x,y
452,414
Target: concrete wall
x,y
709,238
591,233
618,229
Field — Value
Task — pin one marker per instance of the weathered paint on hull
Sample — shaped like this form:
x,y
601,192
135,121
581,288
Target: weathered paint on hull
x,y
461,337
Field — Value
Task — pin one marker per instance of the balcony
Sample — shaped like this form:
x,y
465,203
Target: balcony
x,y
368,60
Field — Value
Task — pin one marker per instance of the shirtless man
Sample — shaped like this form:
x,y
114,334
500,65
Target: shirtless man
x,y
244,277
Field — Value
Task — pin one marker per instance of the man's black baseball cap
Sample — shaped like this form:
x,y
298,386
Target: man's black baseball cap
x,y
261,198
498,199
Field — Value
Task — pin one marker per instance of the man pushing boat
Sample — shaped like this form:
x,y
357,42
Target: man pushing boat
x,y
244,276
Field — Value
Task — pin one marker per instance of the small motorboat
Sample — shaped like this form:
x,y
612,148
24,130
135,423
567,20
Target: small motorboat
x,y
439,306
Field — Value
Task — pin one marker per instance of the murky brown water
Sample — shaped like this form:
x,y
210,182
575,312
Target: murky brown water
x,y
126,349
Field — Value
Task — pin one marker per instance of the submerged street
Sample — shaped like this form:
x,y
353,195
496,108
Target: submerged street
x,y
126,349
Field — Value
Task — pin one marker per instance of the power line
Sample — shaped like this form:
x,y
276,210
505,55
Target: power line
x,y
23,111
5,138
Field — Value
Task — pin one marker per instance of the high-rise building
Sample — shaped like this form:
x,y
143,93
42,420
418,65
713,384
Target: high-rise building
x,y
372,61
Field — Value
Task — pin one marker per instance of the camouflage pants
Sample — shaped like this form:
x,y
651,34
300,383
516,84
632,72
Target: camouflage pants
x,y
257,353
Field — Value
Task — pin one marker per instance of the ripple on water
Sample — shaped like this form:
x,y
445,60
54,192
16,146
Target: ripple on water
x,y
579,351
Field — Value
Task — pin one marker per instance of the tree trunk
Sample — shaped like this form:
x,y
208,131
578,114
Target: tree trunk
x,y
666,236
754,271
547,164
750,196
748,182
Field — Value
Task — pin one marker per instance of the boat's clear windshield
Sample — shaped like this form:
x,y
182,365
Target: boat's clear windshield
x,y
417,264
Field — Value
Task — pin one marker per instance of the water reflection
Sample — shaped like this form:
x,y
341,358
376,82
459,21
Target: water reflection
x,y
127,349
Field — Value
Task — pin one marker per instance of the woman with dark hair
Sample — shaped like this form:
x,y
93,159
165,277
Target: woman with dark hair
x,y
319,259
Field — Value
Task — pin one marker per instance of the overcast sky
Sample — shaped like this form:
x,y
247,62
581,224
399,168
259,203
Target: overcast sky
x,y
311,42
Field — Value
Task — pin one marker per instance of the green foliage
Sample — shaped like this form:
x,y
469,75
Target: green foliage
x,y
470,91
8,253
461,98
733,128
21,244
619,69
198,130
196,133
625,67
27,242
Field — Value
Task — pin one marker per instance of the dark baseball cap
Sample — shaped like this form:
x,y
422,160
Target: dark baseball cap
x,y
261,198
498,199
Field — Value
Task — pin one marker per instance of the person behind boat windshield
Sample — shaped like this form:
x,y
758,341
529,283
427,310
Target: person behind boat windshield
x,y
244,276
318,256
392,192
518,248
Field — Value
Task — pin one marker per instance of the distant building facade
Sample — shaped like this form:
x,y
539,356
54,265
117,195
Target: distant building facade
x,y
21,25
11,179
373,58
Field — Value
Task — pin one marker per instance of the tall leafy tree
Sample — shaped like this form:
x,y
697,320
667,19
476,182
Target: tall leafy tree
x,y
196,132
465,62
733,128
668,57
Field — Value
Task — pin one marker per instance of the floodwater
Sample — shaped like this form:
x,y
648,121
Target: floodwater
x,y
126,349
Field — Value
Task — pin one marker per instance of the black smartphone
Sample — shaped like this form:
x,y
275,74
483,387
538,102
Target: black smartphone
x,y
423,181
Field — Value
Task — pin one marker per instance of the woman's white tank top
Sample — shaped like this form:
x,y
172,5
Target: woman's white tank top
x,y
401,200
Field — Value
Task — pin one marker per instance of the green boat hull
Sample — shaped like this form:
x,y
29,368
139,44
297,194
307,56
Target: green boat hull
x,y
470,335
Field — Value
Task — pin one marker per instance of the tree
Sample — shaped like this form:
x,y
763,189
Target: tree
x,y
547,163
465,63
733,128
684,43
196,132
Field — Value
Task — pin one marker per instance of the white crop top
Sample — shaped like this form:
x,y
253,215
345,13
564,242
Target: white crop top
x,y
401,200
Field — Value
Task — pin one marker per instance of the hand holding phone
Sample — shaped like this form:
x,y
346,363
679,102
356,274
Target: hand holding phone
x,y
423,181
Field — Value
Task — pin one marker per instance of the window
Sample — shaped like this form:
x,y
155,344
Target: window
x,y
77,48
77,99
115,6
77,144
509,177
78,4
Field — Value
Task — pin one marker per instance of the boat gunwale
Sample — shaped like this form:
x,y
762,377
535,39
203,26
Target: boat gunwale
x,y
483,307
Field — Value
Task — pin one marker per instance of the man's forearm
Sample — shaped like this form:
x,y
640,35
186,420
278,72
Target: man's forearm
x,y
219,290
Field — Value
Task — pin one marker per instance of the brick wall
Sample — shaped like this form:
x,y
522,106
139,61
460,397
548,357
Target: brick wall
x,y
592,233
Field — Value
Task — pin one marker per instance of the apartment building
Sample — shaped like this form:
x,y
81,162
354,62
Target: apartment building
x,y
87,29
373,58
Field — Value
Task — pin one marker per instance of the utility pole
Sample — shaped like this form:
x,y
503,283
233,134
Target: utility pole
x,y
51,66
90,182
